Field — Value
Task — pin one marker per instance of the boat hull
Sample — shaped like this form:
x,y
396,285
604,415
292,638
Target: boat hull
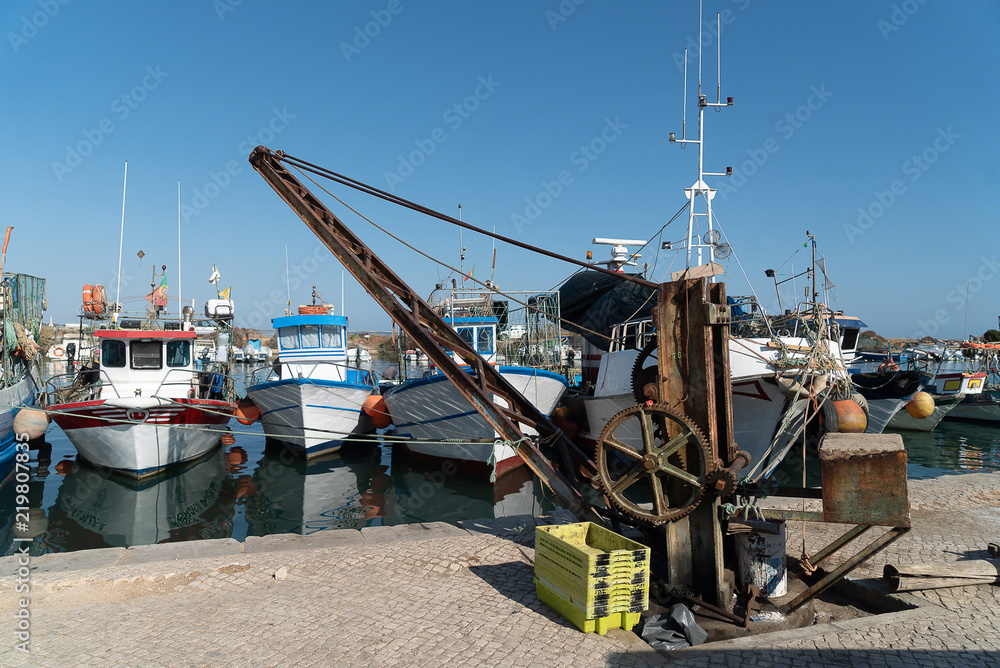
x,y
12,399
943,405
431,411
314,416
983,407
140,436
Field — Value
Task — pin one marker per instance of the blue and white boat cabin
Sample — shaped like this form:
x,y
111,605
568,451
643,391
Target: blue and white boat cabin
x,y
314,347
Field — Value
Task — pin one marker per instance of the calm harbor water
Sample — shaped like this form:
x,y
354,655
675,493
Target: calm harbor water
x,y
255,488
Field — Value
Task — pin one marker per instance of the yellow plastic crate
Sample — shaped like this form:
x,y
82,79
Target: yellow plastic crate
x,y
604,603
598,625
616,594
590,549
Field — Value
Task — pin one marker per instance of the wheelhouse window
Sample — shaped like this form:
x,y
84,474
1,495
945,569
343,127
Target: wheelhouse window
x,y
113,353
288,337
332,336
468,335
310,336
484,340
178,353
147,355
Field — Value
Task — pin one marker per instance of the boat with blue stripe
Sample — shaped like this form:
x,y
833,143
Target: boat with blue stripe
x,y
312,398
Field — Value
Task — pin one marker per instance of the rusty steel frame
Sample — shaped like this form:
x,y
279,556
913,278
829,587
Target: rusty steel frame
x,y
430,333
834,576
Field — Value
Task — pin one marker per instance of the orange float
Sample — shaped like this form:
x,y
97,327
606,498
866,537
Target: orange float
x,y
375,408
247,411
88,298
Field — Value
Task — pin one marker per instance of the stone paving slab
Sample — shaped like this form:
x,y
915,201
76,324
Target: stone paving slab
x,y
214,547
343,538
465,596
60,562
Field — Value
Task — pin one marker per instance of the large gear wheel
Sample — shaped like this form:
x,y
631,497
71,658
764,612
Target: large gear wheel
x,y
646,379
653,463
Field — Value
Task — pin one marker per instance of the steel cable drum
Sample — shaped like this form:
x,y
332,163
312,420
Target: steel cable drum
x,y
593,300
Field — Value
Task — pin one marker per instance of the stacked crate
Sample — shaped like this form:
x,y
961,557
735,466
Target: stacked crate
x,y
593,577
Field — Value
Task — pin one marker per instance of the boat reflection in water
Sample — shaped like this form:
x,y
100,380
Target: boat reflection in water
x,y
440,492
98,508
356,487
342,490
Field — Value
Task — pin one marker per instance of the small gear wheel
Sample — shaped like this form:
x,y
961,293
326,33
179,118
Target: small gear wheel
x,y
646,379
653,463
721,482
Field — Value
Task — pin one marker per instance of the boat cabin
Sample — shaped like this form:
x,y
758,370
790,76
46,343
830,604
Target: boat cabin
x,y
480,332
147,363
314,346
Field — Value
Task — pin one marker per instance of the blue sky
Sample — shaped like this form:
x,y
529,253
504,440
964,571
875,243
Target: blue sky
x,y
869,123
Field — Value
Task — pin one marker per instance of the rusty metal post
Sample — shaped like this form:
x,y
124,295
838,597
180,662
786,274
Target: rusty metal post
x,y
693,353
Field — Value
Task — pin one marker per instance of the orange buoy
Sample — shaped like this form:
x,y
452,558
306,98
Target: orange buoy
x,y
375,408
228,439
845,416
920,406
247,411
88,298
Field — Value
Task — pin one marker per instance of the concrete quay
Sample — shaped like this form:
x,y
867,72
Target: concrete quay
x,y
436,594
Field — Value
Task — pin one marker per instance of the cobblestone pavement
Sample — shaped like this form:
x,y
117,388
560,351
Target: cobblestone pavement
x,y
436,594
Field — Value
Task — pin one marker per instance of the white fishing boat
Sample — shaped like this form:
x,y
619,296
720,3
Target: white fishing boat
x,y
773,376
948,390
312,398
145,406
440,423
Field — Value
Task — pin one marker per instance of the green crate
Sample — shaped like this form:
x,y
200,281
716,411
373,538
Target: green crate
x,y
587,624
602,603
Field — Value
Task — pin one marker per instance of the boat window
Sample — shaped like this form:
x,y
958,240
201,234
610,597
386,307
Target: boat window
x,y
332,336
484,340
467,334
147,354
288,337
178,353
850,339
113,353
310,336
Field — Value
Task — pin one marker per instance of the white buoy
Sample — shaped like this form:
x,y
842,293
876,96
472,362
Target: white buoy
x,y
30,421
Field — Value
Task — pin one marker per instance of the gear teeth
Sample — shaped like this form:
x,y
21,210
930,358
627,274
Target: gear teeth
x,y
663,412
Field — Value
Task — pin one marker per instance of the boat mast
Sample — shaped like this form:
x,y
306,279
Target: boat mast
x,y
180,302
121,241
709,240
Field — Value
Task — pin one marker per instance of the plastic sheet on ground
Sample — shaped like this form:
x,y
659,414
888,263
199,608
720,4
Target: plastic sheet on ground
x,y
676,629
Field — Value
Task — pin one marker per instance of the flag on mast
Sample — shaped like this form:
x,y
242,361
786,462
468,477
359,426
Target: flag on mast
x,y
158,297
